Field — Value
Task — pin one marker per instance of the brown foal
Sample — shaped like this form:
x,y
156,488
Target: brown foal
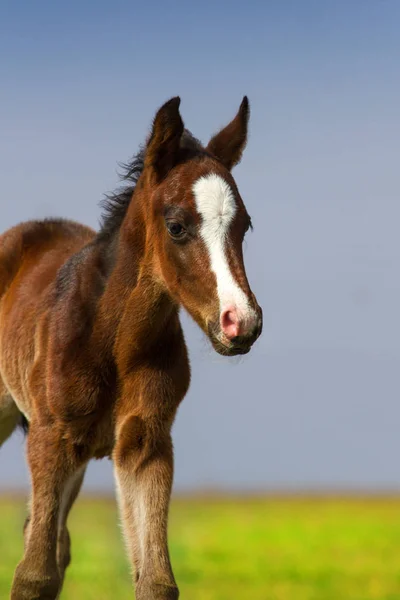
x,y
92,356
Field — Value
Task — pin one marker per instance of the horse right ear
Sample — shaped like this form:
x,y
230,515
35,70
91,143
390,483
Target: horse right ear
x,y
229,143
163,145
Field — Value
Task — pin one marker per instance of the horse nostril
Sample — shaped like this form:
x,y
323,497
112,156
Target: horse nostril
x,y
230,323
238,328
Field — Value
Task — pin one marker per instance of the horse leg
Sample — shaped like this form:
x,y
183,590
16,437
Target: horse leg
x,y
52,464
144,472
70,494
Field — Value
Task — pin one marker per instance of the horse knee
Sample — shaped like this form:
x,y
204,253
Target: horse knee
x,y
27,584
132,442
139,440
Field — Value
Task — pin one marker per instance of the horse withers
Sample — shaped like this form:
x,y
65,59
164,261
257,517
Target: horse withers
x,y
92,354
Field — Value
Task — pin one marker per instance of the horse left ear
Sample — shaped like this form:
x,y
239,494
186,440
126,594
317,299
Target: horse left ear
x,y
163,146
229,143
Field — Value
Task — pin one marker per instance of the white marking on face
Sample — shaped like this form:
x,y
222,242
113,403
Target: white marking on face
x,y
216,204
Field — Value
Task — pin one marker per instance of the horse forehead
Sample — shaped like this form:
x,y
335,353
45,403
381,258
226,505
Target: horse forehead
x,y
214,197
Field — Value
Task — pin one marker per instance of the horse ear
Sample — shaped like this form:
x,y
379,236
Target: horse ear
x,y
163,145
229,143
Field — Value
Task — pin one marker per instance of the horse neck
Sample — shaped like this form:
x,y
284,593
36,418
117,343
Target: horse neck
x,y
134,304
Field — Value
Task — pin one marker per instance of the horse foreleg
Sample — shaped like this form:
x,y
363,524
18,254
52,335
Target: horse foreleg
x,y
144,472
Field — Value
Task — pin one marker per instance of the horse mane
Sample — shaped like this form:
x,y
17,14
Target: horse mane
x,y
115,204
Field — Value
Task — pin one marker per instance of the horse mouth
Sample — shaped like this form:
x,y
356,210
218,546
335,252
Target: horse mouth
x,y
231,350
227,348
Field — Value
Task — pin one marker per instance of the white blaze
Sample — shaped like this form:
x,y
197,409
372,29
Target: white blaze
x,y
215,202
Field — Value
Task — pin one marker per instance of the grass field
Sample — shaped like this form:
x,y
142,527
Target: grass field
x,y
263,549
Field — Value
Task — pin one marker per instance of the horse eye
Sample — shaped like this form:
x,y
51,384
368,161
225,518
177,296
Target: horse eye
x,y
175,229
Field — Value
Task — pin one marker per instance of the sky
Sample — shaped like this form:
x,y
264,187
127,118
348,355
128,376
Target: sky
x,y
316,404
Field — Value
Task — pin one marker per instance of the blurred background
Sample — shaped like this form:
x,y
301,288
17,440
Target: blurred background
x,y
313,412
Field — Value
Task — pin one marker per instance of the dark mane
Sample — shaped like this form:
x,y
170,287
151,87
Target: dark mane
x,y
115,205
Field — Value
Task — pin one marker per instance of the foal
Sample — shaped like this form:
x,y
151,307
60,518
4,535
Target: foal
x,y
92,354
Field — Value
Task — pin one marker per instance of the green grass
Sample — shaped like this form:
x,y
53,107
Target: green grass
x,y
266,549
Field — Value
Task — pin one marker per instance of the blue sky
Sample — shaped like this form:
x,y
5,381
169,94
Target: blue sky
x,y
317,401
